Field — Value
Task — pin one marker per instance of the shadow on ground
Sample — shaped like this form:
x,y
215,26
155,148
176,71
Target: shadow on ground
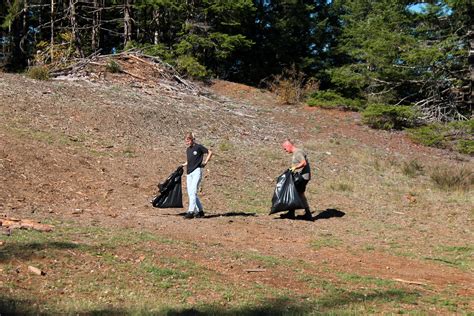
x,y
332,303
329,213
26,251
207,215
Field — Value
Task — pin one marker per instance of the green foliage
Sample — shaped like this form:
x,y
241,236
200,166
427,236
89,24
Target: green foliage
x,y
191,66
14,10
112,66
453,178
391,54
466,146
455,136
389,117
38,72
429,135
159,50
332,99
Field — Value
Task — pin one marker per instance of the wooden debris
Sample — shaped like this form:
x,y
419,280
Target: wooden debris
x,y
141,67
409,282
36,270
12,223
255,270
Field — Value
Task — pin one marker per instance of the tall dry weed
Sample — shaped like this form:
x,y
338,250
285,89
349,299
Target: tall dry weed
x,y
291,86
449,178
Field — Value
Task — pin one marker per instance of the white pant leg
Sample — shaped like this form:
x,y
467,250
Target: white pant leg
x,y
192,183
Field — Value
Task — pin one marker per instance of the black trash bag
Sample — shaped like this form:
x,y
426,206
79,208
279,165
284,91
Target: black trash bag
x,y
286,197
171,194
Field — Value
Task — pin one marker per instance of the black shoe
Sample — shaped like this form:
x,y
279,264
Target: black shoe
x,y
289,215
307,216
189,216
199,215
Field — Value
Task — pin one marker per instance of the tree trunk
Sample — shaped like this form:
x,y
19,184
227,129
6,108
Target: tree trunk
x,y
127,25
156,19
52,31
24,36
76,40
471,66
96,20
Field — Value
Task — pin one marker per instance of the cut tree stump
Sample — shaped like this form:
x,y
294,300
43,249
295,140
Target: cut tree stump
x,y
36,270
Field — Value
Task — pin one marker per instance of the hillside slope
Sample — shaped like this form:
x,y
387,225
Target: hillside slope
x,y
89,154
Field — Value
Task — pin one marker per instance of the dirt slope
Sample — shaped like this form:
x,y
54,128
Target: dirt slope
x,y
93,152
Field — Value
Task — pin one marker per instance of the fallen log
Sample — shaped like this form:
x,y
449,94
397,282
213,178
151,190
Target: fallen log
x,y
255,270
12,223
409,282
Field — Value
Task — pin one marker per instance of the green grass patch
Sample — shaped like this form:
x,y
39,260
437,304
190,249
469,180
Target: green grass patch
x,y
325,241
458,256
129,152
47,137
263,260
354,300
225,146
365,280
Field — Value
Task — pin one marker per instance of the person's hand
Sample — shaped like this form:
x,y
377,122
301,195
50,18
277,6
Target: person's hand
x,y
292,169
203,165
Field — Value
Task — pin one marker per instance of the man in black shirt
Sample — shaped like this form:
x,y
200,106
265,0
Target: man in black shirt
x,y
194,155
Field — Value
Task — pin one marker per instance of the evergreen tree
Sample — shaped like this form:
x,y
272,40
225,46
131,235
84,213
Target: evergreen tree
x,y
396,55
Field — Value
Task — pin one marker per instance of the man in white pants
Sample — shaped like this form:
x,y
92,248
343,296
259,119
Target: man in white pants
x,y
194,153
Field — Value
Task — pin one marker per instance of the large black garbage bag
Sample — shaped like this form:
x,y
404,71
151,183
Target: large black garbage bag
x,y
285,196
171,194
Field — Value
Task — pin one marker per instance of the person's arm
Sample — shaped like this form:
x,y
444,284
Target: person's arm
x,y
208,157
301,164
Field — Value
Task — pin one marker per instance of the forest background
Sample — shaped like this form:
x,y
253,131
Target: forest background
x,y
404,64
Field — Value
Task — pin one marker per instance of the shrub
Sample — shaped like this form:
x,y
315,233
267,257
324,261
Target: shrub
x,y
412,168
454,136
38,72
465,146
341,186
112,66
290,86
159,50
191,67
389,117
331,99
429,135
449,178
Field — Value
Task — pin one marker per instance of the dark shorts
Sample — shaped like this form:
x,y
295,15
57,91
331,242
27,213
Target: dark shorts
x,y
301,186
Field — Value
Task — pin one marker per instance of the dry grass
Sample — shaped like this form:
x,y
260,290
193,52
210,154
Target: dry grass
x,y
453,178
